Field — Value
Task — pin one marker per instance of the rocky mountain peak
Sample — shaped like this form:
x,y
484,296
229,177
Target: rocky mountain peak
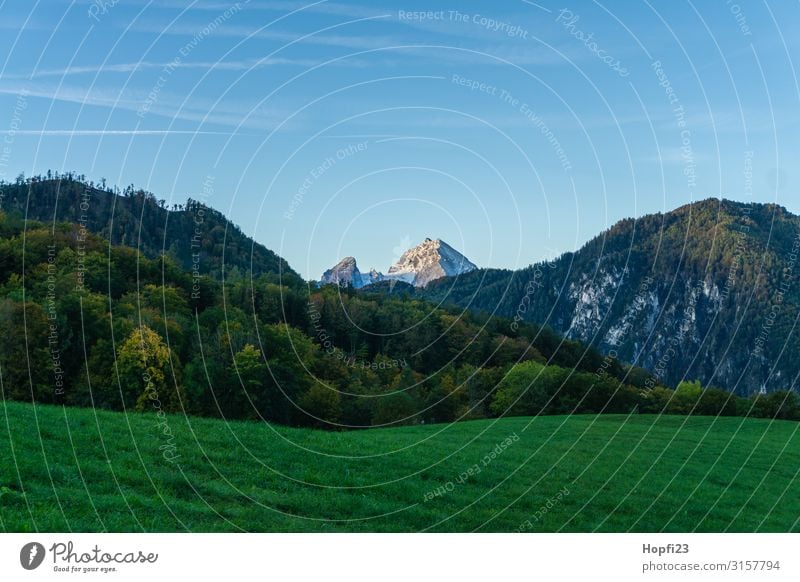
x,y
430,260
344,273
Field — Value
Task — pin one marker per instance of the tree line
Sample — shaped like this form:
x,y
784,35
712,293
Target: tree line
x,y
135,336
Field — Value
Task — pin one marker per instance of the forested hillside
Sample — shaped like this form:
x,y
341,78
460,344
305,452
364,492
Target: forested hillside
x,y
709,291
194,235
91,324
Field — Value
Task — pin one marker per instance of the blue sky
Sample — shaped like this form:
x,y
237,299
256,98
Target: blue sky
x,y
514,131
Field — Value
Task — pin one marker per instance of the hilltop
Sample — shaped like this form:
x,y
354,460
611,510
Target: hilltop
x,y
196,236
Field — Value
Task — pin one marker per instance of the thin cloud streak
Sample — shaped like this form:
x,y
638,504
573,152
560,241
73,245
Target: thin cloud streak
x,y
167,105
248,32
112,132
243,65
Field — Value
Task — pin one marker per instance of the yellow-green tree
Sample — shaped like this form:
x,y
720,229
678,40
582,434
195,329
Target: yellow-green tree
x,y
686,397
145,372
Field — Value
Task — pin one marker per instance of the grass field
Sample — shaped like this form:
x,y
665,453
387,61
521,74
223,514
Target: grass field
x,y
85,470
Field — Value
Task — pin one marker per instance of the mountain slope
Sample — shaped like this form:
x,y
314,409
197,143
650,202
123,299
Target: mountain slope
x,y
196,236
707,291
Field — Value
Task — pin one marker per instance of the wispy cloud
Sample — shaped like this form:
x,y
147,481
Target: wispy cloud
x,y
280,6
337,8
502,48
254,32
236,65
115,132
168,105
529,54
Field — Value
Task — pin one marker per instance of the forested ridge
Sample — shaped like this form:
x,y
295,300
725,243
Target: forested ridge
x,y
97,325
193,234
715,284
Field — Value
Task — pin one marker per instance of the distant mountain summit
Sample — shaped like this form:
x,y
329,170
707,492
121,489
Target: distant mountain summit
x,y
428,261
418,266
346,274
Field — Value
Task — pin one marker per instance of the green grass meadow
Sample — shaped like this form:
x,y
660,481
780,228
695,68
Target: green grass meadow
x,y
81,470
